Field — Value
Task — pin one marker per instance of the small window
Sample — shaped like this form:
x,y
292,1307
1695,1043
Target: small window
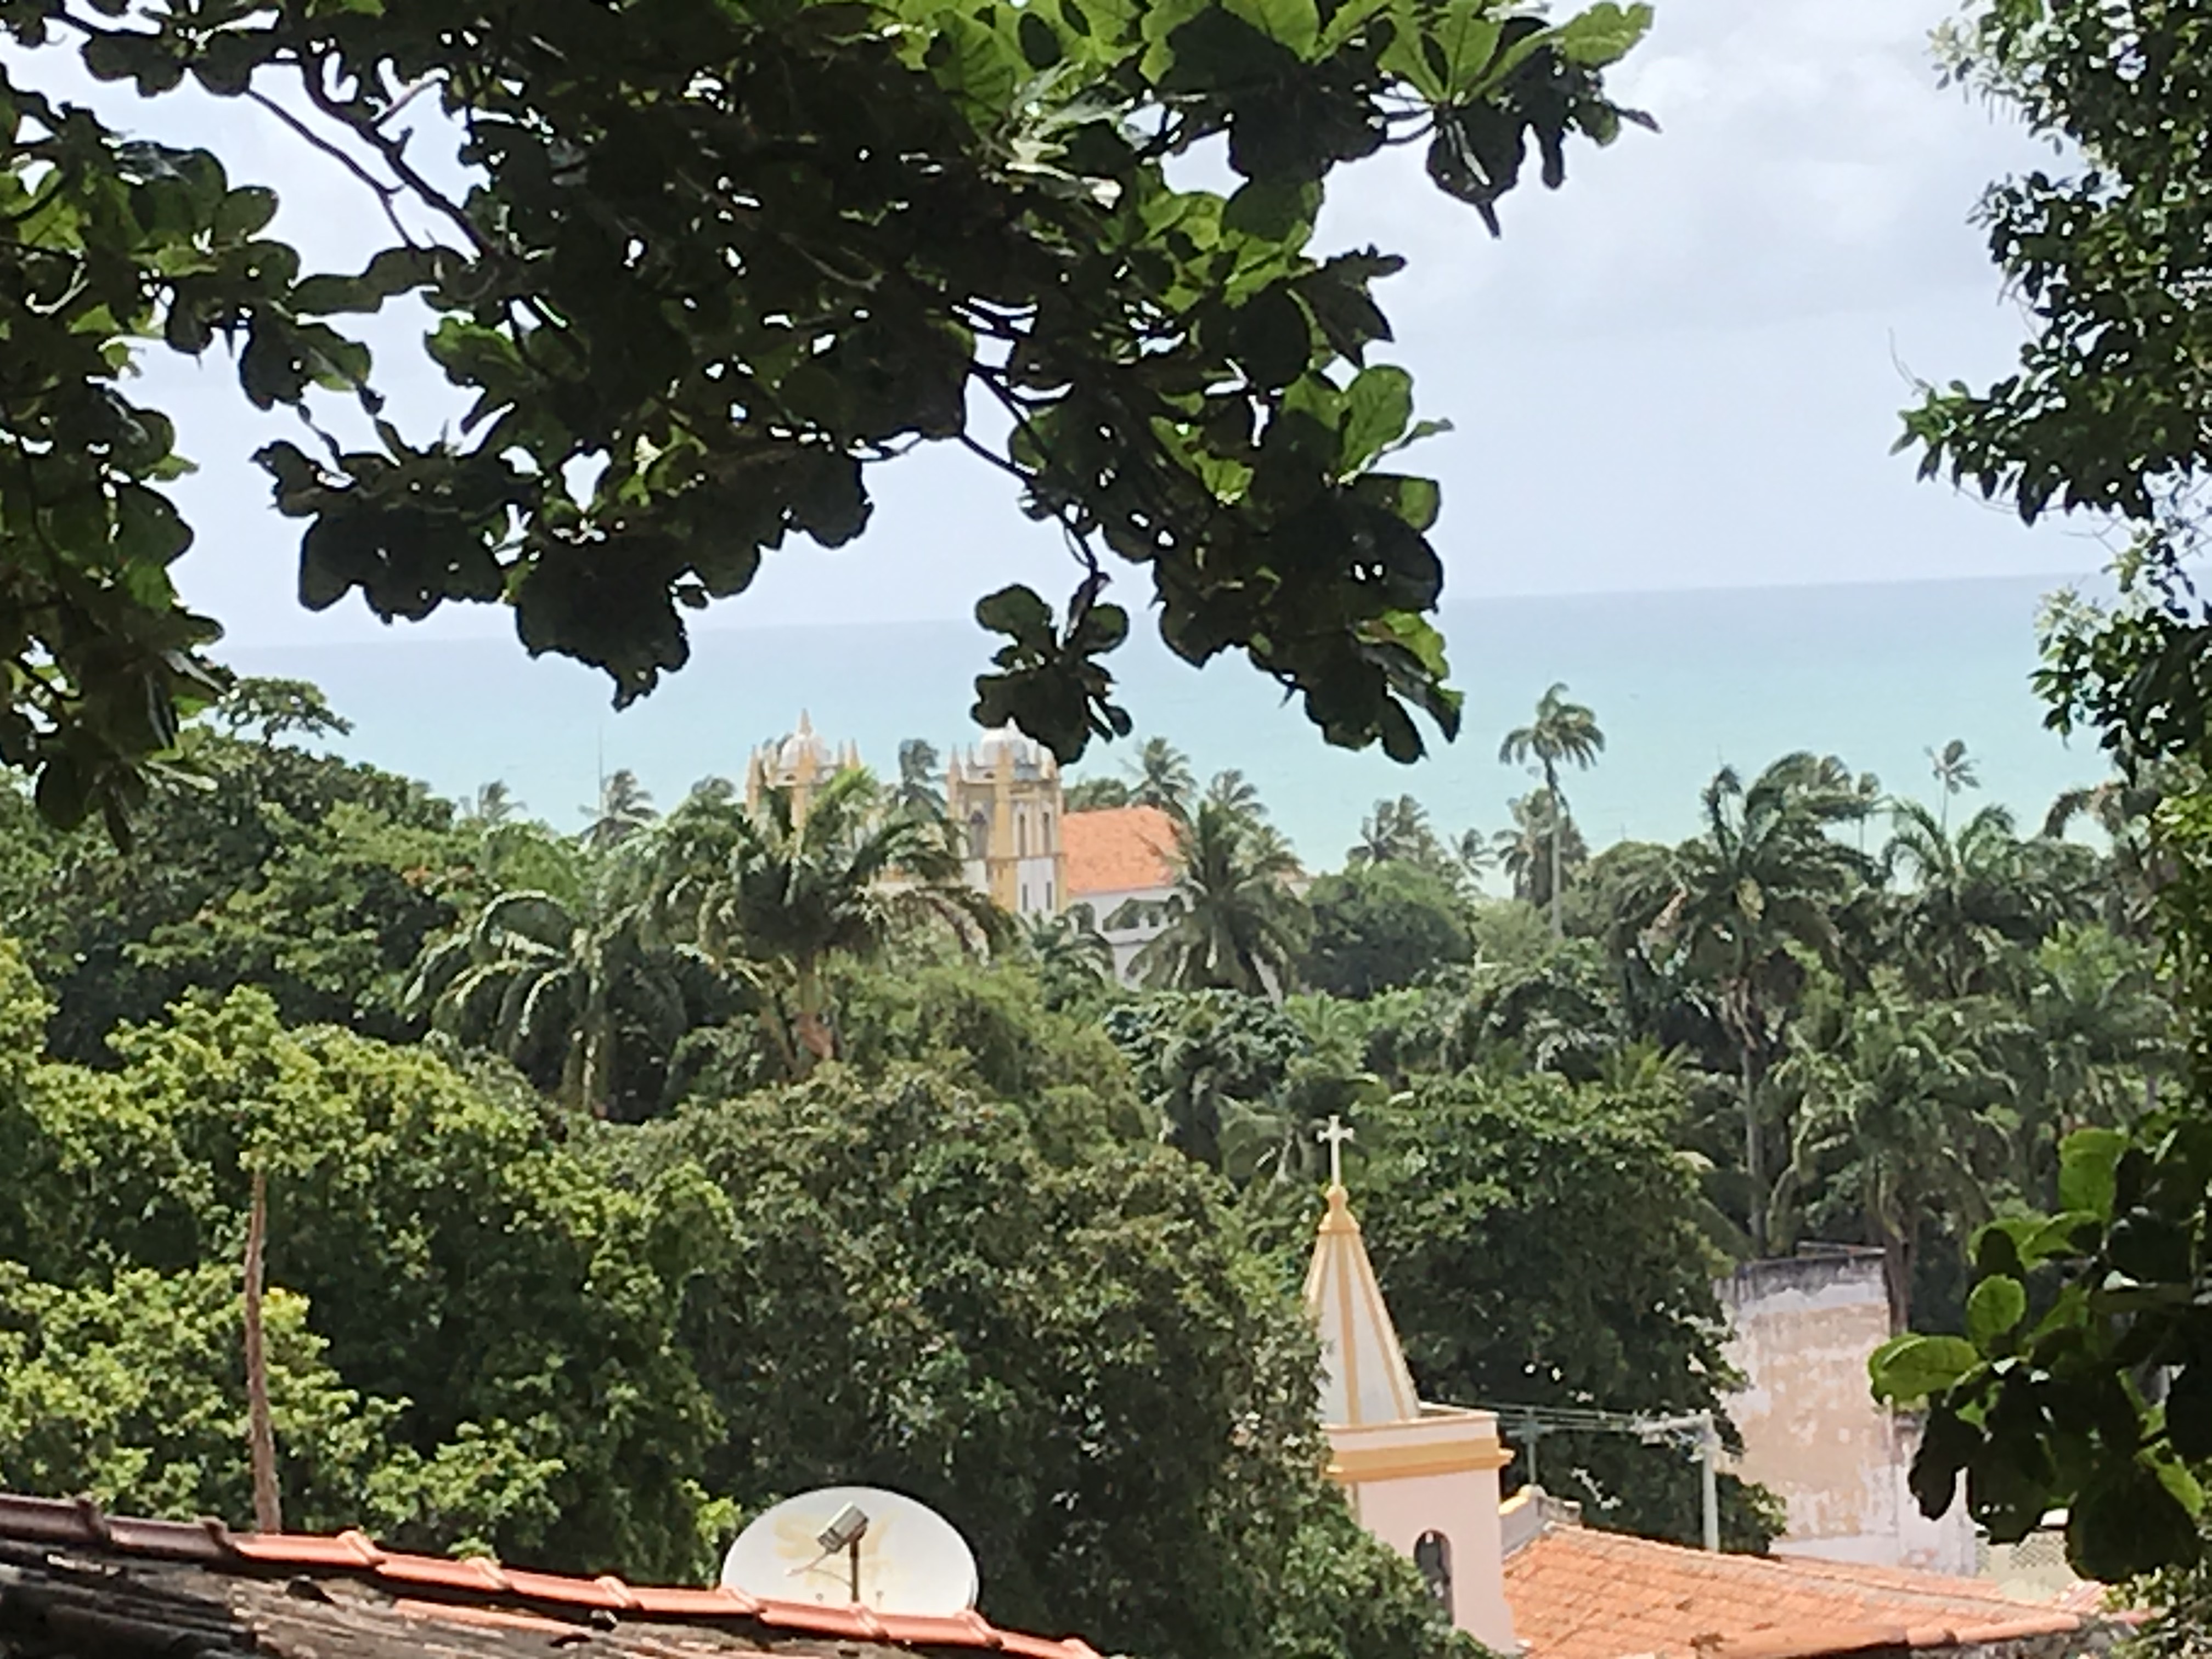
x,y
1432,1555
979,836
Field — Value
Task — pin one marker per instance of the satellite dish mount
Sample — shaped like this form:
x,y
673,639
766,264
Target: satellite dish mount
x,y
844,1532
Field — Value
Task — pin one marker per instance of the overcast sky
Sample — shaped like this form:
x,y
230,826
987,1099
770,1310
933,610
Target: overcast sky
x,y
1683,370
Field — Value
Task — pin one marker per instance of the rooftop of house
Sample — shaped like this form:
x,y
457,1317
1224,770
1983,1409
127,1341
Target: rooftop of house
x,y
1578,1594
1118,849
76,1583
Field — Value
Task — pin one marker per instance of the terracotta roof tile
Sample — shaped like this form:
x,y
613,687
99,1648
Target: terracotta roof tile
x,y
481,1592
1118,849
1578,1594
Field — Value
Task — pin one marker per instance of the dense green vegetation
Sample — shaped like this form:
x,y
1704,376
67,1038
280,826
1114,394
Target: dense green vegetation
x,y
2083,1378
619,1182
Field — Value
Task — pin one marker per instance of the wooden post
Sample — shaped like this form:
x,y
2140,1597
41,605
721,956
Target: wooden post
x,y
268,1510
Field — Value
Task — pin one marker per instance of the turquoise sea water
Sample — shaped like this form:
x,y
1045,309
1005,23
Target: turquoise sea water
x,y
1681,683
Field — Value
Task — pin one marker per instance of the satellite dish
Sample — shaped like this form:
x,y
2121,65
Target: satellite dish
x,y
844,1545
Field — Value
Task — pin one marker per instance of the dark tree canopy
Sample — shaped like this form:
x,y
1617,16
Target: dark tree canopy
x,y
718,257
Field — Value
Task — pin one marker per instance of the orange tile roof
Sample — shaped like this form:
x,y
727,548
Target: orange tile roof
x,y
1580,1594
1118,849
480,1592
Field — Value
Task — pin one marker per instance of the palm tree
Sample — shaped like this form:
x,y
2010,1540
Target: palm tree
x,y
2097,1032
1763,882
532,980
1561,731
1902,1116
1232,790
1474,854
920,765
779,898
1395,832
492,804
2123,809
1096,795
1973,902
1953,768
1069,952
1161,776
624,809
1542,845
1234,922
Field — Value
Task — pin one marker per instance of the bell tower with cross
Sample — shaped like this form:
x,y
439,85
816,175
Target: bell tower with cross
x,y
1422,1478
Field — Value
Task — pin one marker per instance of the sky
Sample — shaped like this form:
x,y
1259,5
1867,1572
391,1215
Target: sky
x,y
1683,370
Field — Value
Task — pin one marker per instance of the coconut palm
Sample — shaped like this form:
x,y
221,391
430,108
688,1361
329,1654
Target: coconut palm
x,y
1096,795
1161,776
1970,901
2098,1033
1954,769
624,809
1234,923
1543,847
492,804
1903,1116
1763,882
2122,808
1396,832
1562,731
1232,790
1069,950
920,768
779,898
538,982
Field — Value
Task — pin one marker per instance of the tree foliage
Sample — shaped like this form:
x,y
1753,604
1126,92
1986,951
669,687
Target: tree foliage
x,y
2084,1379
713,263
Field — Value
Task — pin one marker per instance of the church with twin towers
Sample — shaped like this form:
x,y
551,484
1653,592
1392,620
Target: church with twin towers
x,y
1115,867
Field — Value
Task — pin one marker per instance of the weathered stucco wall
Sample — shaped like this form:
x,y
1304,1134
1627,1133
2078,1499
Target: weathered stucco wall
x,y
1801,1331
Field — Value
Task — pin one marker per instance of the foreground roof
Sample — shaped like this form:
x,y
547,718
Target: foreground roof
x,y
1118,849
1577,1593
78,1584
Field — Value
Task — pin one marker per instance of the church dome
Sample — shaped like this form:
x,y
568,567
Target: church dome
x,y
1026,753
803,747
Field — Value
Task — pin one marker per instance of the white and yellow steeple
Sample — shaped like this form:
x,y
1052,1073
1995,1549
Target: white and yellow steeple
x,y
1422,1478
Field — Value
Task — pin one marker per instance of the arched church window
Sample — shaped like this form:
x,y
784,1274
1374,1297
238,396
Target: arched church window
x,y
979,836
1432,1555
1046,841
1021,835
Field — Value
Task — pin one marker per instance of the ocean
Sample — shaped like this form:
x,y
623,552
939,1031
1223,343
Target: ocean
x,y
1681,683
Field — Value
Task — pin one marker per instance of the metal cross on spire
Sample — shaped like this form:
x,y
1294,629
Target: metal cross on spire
x,y
1334,1136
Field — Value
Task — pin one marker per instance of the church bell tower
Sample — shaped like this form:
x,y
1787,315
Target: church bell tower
x,y
1422,1478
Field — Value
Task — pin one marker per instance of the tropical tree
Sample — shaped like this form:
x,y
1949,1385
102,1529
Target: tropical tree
x,y
778,898
1160,776
492,804
1380,926
1070,954
1096,795
1234,924
1231,790
1904,1117
1562,732
624,808
2122,807
565,992
1970,904
1396,831
1755,895
920,766
1541,850
1953,770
